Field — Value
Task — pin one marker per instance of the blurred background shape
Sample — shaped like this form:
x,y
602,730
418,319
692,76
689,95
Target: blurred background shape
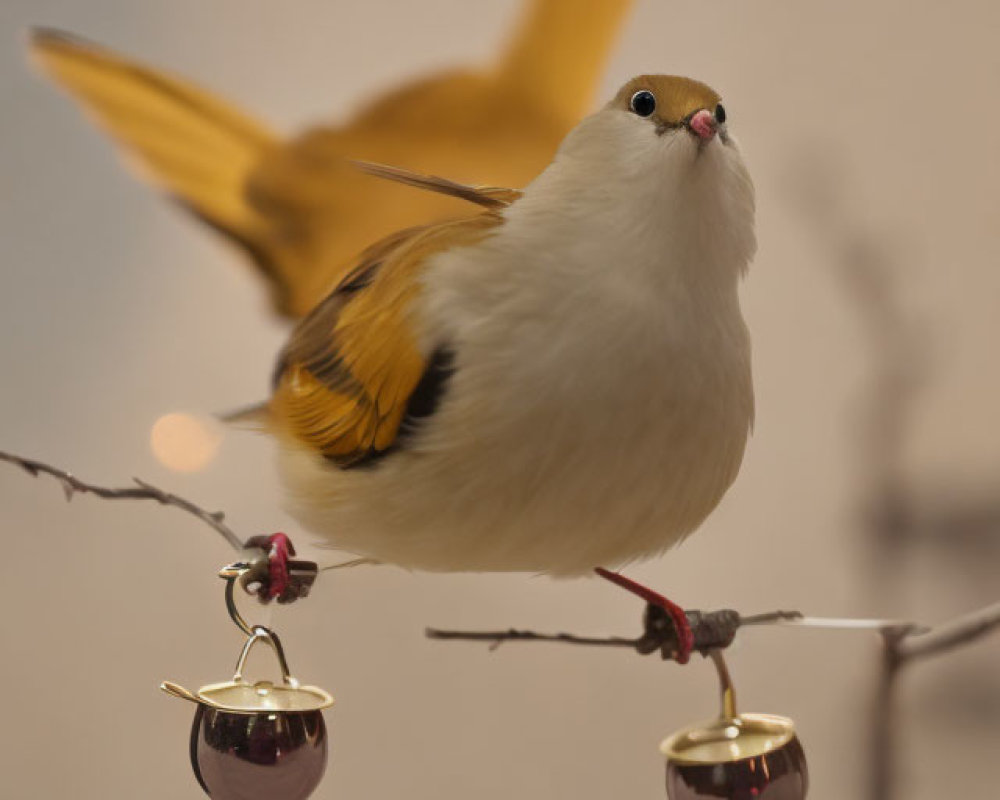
x,y
185,442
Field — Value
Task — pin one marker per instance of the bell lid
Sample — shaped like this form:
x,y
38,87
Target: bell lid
x,y
243,697
729,739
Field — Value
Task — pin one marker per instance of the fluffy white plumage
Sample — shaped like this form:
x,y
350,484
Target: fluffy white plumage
x,y
602,396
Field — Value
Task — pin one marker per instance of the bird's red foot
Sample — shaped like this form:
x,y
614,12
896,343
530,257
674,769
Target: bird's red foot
x,y
682,627
283,579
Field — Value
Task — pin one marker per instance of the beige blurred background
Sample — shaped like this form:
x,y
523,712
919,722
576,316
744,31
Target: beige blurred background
x,y
872,131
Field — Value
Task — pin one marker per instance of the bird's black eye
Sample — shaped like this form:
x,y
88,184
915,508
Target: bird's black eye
x,y
643,103
720,114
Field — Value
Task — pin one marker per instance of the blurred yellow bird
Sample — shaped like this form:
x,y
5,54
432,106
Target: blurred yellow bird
x,y
296,205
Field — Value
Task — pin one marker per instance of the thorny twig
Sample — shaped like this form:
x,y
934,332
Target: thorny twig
x,y
904,642
255,581
141,491
712,630
497,638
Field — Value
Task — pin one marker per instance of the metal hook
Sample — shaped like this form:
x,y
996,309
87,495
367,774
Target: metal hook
x,y
231,574
234,612
728,693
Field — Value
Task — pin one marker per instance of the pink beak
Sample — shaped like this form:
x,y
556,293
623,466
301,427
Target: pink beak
x,y
703,125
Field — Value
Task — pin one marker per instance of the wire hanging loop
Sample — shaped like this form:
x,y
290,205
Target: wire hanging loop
x,y
262,634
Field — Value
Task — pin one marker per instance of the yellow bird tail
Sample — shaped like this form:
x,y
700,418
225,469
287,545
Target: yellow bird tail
x,y
297,206
559,52
196,146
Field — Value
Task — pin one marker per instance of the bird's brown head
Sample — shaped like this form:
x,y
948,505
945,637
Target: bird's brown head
x,y
659,152
670,102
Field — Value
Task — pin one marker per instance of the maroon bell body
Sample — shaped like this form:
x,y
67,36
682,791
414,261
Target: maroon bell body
x,y
736,757
777,775
258,756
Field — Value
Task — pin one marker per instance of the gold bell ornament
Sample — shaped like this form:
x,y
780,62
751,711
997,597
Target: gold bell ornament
x,y
737,756
256,740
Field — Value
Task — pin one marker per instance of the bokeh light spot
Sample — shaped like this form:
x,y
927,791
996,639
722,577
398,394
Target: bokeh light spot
x,y
185,443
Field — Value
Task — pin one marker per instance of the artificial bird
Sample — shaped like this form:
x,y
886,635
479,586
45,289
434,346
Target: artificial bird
x,y
557,382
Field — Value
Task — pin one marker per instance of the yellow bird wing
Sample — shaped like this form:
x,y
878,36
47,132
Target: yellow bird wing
x,y
352,375
299,207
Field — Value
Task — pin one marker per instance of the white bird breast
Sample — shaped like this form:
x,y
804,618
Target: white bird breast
x,y
602,396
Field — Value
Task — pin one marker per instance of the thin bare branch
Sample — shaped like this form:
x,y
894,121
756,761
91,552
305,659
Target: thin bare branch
x,y
141,491
950,636
904,641
712,630
496,638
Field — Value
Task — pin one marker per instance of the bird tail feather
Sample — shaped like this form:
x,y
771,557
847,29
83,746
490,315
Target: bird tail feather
x,y
251,418
559,51
188,141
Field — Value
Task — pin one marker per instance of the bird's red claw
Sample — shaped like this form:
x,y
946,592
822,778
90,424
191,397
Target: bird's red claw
x,y
277,558
277,584
682,627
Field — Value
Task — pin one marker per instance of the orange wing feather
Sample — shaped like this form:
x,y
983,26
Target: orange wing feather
x,y
346,376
